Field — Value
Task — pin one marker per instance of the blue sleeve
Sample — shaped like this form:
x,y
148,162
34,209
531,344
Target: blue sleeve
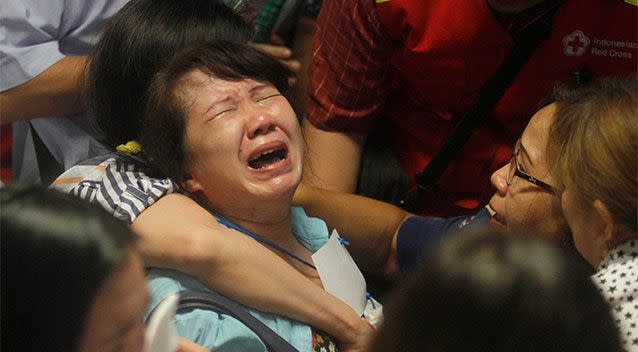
x,y
418,235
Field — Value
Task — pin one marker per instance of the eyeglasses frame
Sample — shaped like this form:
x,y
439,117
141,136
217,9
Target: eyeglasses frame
x,y
518,172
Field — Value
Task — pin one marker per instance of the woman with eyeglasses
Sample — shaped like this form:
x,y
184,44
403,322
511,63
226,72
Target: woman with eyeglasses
x,y
592,153
387,240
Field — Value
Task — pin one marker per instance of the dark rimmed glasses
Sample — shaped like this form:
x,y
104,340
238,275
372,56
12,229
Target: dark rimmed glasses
x,y
516,171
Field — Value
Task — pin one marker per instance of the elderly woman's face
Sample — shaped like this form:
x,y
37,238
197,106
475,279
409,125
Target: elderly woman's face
x,y
242,141
521,206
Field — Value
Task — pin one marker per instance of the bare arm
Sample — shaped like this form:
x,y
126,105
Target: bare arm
x,y
332,158
370,226
54,92
184,345
177,233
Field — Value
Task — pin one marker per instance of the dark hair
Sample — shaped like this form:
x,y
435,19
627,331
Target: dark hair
x,y
56,251
163,130
137,42
486,292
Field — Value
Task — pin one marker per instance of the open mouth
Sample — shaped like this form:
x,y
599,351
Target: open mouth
x,y
268,157
494,215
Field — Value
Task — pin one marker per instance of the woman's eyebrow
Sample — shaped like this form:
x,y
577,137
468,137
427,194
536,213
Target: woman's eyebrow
x,y
259,87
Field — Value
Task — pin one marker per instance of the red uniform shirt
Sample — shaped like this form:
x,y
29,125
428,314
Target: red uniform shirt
x,y
5,152
420,64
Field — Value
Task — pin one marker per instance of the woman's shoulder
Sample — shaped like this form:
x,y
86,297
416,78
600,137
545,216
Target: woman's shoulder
x,y
311,232
217,331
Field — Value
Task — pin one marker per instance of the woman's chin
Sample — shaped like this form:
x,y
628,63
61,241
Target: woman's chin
x,y
278,187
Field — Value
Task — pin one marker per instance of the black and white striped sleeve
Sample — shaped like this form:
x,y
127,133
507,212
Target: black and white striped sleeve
x,y
123,188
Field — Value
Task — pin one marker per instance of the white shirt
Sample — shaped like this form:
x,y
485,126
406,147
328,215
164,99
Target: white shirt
x,y
35,34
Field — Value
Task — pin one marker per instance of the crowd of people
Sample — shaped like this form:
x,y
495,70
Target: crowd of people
x,y
177,149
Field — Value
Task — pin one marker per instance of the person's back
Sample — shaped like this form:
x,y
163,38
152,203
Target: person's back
x,y
486,292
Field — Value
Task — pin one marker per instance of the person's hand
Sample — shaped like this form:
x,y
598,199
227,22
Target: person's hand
x,y
284,55
184,345
360,340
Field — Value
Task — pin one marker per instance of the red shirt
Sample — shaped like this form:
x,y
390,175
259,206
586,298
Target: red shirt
x,y
5,152
420,65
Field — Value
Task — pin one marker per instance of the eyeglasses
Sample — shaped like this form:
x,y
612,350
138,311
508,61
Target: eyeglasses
x,y
516,171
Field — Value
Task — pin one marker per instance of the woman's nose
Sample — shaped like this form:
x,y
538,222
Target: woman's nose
x,y
499,179
260,124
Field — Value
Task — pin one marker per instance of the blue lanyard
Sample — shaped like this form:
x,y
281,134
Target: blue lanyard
x,y
272,244
264,241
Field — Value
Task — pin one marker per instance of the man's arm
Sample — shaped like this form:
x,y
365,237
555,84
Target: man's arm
x,y
332,158
347,86
54,92
177,233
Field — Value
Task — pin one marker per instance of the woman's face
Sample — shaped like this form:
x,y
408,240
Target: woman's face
x,y
522,207
115,318
242,142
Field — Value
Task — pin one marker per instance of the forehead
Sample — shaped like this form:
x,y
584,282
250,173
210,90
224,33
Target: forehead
x,y
536,133
196,81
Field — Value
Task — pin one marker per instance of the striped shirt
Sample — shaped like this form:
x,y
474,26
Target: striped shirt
x,y
118,183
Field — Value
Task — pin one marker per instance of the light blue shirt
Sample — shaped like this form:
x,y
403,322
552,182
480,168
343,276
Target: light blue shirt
x,y
221,332
35,34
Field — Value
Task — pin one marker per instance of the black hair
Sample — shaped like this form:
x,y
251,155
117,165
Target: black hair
x,y
163,130
486,292
137,42
55,252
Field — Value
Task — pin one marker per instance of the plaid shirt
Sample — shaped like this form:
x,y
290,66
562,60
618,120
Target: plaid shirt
x,y
351,62
349,66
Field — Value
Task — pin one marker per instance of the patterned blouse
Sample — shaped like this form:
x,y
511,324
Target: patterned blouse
x,y
617,279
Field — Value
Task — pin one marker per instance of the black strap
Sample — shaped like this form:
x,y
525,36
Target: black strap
x,y
191,300
491,92
48,167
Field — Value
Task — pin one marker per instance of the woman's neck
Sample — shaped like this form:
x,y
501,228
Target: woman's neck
x,y
269,223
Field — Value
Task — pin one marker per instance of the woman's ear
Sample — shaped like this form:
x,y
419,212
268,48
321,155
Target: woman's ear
x,y
609,223
192,185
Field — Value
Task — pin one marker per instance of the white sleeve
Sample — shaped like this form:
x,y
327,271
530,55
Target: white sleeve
x,y
28,39
35,34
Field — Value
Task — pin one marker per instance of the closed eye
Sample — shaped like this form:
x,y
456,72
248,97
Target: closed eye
x,y
218,114
268,97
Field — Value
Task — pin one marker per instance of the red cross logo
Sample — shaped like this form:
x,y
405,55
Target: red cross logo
x,y
575,44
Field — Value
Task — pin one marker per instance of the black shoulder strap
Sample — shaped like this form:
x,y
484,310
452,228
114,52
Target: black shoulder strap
x,y
191,300
48,167
491,92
